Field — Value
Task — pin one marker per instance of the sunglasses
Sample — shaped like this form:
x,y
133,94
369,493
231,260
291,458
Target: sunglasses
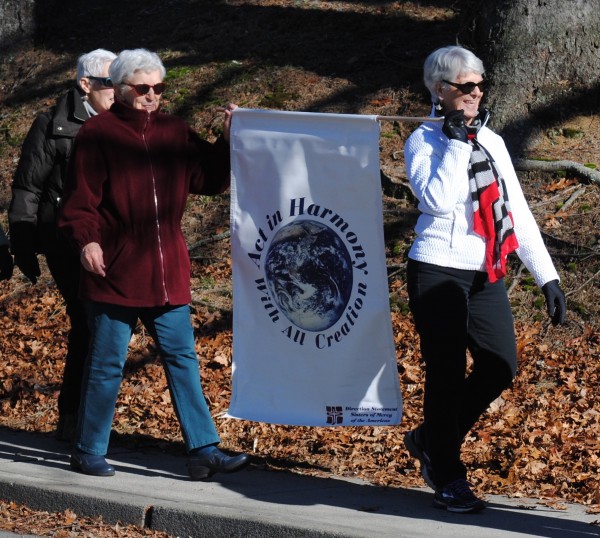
x,y
468,87
104,81
143,89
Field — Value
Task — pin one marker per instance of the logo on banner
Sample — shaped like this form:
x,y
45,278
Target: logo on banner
x,y
314,270
335,415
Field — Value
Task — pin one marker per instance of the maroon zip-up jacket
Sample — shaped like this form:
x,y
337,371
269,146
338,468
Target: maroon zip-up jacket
x,y
127,185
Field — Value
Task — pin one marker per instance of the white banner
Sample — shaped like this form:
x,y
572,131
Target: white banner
x,y
312,334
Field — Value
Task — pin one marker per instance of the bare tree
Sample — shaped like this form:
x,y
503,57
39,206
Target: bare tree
x,y
543,57
16,22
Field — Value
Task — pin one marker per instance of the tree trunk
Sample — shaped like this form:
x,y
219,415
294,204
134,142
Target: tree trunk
x,y
16,22
542,57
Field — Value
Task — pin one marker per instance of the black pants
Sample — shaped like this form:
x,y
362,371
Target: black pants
x,y
64,265
455,311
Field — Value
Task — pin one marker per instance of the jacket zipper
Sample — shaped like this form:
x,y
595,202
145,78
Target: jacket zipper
x,y
160,250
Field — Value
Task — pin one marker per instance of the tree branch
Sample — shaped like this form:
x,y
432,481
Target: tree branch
x,y
578,169
212,239
571,199
515,280
584,284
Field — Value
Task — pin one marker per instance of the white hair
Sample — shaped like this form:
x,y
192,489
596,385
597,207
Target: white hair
x,y
449,63
92,63
129,62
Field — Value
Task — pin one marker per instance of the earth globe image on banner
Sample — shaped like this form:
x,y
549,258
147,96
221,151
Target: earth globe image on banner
x,y
308,270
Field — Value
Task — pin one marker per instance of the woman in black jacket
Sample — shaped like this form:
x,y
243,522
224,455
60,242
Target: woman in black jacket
x,y
36,192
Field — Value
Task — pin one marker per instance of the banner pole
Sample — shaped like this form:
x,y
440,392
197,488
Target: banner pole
x,y
388,118
408,118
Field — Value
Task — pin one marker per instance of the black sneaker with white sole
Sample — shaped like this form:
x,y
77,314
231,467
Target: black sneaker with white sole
x,y
458,497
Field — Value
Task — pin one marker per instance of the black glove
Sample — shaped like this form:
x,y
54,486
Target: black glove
x,y
454,126
555,301
28,263
6,263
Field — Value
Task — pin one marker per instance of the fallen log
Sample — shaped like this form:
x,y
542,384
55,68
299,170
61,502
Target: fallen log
x,y
577,169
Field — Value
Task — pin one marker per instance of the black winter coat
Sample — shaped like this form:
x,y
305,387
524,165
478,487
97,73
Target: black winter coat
x,y
38,181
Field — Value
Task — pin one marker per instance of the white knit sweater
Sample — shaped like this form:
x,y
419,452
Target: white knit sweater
x,y
437,170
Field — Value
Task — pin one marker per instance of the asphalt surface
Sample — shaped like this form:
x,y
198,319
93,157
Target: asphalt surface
x,y
151,489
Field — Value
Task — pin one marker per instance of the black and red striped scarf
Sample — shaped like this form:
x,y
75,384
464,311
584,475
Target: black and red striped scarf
x,y
492,216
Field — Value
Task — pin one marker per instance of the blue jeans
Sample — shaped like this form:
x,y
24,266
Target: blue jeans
x,y
454,311
111,328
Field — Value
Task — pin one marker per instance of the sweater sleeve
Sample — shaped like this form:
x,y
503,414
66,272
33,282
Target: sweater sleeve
x,y
79,217
210,165
437,171
531,251
35,165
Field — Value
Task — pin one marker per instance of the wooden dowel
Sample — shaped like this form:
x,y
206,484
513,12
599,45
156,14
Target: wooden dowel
x,y
408,118
389,118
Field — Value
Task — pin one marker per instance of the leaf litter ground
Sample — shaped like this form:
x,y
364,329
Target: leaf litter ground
x,y
539,439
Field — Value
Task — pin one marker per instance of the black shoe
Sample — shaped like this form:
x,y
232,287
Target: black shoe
x,y
203,463
65,429
458,497
415,448
91,464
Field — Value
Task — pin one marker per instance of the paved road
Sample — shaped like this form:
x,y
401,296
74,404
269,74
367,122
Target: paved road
x,y
152,489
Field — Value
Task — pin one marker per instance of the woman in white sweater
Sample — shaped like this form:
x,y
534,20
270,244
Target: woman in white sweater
x,y
473,214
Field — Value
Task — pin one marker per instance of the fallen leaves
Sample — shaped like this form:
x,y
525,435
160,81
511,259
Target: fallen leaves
x,y
22,520
540,439
561,184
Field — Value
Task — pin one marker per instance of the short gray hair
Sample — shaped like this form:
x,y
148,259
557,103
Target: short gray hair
x,y
92,63
449,63
129,62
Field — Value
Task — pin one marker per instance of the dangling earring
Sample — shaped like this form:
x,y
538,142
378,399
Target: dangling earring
x,y
438,108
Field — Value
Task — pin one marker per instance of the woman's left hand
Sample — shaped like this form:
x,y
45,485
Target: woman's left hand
x,y
555,301
227,125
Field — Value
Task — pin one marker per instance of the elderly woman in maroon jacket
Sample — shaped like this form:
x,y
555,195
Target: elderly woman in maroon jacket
x,y
129,177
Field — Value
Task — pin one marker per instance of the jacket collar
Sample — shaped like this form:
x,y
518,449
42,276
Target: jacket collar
x,y
79,111
69,114
136,119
